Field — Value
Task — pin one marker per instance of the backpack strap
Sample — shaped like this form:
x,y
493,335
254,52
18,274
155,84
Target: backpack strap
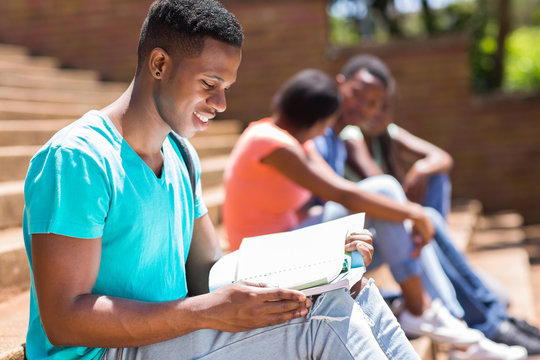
x,y
186,156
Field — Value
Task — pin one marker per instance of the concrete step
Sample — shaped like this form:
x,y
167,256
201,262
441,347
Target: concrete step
x,y
14,161
35,61
211,145
213,198
462,221
14,315
17,109
58,81
29,132
212,170
11,204
507,219
96,98
14,268
13,50
510,266
10,66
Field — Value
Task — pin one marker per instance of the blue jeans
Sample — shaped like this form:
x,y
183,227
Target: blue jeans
x,y
483,310
393,244
336,327
439,194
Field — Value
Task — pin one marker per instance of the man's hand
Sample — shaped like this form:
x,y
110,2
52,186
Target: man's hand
x,y
361,242
245,306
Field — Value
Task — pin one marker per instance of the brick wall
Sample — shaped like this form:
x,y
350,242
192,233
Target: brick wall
x,y
494,139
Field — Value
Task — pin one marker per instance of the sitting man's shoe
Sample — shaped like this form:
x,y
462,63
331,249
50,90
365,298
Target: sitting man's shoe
x,y
510,334
489,350
438,324
525,327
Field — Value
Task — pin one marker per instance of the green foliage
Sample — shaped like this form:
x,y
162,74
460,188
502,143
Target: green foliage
x,y
343,32
522,63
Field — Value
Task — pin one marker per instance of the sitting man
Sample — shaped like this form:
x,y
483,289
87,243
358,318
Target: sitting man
x,y
116,237
366,83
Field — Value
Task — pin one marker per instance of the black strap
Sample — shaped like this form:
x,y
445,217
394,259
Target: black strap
x,y
186,156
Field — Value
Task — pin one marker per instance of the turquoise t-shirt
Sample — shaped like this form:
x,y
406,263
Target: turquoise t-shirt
x,y
87,182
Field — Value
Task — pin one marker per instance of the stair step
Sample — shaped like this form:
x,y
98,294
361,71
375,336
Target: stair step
x,y
36,61
14,314
13,50
462,221
500,220
497,238
213,169
11,204
14,268
14,161
97,99
29,132
510,266
213,198
59,81
211,145
28,67
17,109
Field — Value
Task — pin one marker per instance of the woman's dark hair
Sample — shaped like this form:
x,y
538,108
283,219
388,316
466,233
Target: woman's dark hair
x,y
179,27
307,97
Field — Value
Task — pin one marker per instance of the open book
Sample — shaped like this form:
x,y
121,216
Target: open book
x,y
311,259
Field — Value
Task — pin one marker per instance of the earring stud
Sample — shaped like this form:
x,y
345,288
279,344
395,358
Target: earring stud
x,y
158,73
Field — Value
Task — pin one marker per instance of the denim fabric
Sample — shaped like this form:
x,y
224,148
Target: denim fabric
x,y
483,311
337,327
439,194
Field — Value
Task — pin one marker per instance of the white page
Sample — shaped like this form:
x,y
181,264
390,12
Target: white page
x,y
294,258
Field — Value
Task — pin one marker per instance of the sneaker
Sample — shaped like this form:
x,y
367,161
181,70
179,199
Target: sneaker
x,y
525,327
489,350
510,334
438,324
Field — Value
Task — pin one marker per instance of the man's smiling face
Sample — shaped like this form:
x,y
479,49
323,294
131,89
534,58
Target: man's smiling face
x,y
194,91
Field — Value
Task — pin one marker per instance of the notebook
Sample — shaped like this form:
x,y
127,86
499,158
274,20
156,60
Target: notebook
x,y
311,259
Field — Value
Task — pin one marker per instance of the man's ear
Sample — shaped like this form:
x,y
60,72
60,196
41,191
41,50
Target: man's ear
x,y
340,79
158,62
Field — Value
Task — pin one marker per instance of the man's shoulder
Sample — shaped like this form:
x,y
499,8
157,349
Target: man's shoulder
x,y
92,134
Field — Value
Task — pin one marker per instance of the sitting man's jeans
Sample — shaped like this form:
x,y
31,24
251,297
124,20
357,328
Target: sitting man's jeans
x,y
445,272
393,244
336,327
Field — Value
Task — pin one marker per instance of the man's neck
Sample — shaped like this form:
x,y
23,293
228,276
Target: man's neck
x,y
140,126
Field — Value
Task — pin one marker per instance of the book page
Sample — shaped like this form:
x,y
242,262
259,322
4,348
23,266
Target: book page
x,y
300,258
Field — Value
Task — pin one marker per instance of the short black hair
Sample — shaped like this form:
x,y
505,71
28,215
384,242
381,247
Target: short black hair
x,y
307,97
180,26
373,65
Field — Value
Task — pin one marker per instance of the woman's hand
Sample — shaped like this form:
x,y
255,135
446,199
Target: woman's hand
x,y
363,243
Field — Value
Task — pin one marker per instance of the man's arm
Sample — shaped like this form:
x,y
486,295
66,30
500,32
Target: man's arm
x,y
204,251
432,160
359,159
65,270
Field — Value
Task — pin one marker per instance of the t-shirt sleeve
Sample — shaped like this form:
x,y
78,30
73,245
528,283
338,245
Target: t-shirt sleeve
x,y
66,193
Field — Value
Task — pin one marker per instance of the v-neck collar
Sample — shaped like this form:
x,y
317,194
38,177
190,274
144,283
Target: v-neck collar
x,y
120,139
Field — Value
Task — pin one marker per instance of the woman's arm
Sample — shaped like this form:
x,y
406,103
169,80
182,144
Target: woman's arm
x,y
311,172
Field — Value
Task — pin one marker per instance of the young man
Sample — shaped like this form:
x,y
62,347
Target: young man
x,y
116,238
